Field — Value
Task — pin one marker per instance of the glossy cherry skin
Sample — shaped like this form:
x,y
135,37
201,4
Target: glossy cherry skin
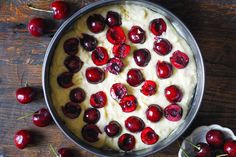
x,y
36,27
230,148
73,64
94,75
71,110
173,112
137,35
100,56
64,80
77,95
65,152
163,69
71,46
42,118
126,142
118,91
154,113
173,93
121,50
149,88
203,151
113,19
115,35
162,46
112,129
90,133
96,23
115,66
88,42
142,57
134,77
134,124
149,136
157,26
91,115
215,138
60,9
98,100
128,103
22,138
179,59
25,95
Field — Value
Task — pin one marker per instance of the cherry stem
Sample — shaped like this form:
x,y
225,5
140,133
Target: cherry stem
x,y
222,155
25,116
37,9
185,153
191,143
53,151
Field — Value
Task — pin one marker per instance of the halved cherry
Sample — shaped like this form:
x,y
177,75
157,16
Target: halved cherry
x,y
157,26
113,19
137,35
162,46
77,95
118,91
115,35
71,46
94,75
179,59
71,110
90,132
121,50
91,115
112,129
88,42
142,57
173,112
73,63
149,136
128,103
100,56
96,23
163,69
134,77
126,142
65,80
98,100
173,93
154,113
134,124
115,66
149,88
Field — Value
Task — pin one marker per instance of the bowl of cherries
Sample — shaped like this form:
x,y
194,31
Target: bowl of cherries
x,y
209,141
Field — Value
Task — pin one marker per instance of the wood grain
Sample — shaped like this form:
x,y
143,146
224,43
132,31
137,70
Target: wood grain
x,y
212,23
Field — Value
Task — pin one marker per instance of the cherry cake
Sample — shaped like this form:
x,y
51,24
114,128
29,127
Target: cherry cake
x,y
122,78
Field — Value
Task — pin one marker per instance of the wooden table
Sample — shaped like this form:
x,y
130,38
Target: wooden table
x,y
212,22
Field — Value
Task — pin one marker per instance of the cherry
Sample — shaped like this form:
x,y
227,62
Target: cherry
x,y
134,77
157,26
42,117
154,113
25,95
118,91
134,124
126,142
36,27
137,35
163,69
204,150
142,57
115,66
149,88
88,42
64,80
128,103
96,23
115,35
100,56
230,148
179,59
22,138
90,133
215,138
65,152
94,75
71,46
73,63
113,19
162,46
112,129
98,100
173,94
77,95
121,50
71,110
60,9
91,115
149,136
173,112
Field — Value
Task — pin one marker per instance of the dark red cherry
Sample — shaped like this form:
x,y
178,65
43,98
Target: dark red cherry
x,y
162,46
134,124
91,115
215,138
25,95
121,50
71,46
134,77
149,88
60,9
173,93
100,56
173,112
90,133
98,100
118,91
157,26
142,57
65,80
77,95
179,59
203,151
149,136
154,113
163,69
115,66
137,35
94,75
96,23
71,110
36,27
65,152
128,103
88,42
22,138
230,148
113,19
73,63
42,117
112,129
115,35
126,142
